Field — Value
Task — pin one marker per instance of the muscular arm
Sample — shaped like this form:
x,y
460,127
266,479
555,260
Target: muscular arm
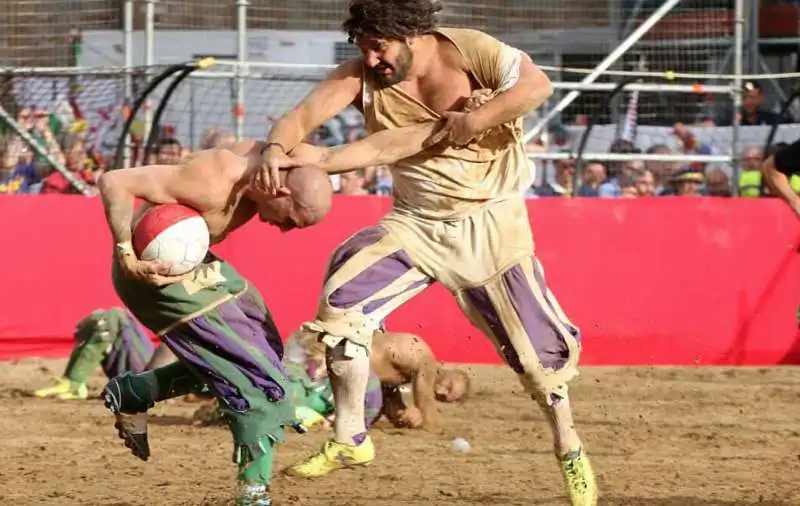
x,y
410,354
157,184
776,170
383,148
530,91
330,97
423,388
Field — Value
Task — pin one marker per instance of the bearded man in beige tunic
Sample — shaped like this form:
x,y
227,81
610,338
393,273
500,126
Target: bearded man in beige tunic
x,y
457,96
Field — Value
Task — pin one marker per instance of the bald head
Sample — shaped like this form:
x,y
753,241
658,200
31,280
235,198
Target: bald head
x,y
311,191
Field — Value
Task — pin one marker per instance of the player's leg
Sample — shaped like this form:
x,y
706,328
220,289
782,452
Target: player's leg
x,y
314,401
369,276
536,339
107,339
129,396
312,392
236,349
132,350
313,398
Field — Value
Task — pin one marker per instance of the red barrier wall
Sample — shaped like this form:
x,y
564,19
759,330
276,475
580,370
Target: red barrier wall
x,y
651,281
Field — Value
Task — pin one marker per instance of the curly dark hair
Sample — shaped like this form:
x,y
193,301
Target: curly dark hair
x,y
391,19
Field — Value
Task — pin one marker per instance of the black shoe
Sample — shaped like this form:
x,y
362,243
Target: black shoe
x,y
131,419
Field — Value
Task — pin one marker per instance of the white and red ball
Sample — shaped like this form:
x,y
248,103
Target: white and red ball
x,y
174,234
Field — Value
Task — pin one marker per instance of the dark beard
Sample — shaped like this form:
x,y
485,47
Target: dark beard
x,y
399,69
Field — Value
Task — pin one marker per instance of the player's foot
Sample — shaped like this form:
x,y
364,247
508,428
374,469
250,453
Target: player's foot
x,y
131,419
308,416
65,390
579,479
253,495
335,456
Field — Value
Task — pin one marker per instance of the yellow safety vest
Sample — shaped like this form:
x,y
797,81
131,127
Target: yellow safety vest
x,y
750,183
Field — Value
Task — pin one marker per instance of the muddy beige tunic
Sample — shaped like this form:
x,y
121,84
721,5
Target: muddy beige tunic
x,y
459,218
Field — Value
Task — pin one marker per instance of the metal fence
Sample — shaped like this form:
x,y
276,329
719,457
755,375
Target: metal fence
x,y
680,61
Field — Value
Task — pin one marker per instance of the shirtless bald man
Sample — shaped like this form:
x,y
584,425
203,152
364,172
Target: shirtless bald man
x,y
212,319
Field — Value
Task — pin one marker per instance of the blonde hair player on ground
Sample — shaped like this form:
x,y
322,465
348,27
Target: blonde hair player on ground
x,y
458,217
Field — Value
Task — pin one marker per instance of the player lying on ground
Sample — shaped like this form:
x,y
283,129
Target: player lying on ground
x,y
109,339
459,217
397,359
777,170
213,320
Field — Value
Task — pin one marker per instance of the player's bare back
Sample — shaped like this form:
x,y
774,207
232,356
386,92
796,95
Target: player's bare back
x,y
214,183
395,357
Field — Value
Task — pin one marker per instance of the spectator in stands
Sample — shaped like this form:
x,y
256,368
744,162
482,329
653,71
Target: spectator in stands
x,y
618,171
21,164
20,175
753,111
38,127
78,164
688,183
168,151
690,143
353,183
662,171
643,182
718,184
750,176
383,181
623,179
594,174
562,183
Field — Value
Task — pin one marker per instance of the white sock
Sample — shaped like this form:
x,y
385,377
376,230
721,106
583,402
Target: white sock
x,y
559,414
348,370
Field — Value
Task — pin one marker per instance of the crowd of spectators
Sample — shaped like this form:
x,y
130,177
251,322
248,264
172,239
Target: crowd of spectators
x,y
636,178
25,171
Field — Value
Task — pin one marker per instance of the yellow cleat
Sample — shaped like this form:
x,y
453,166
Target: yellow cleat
x,y
334,456
65,390
579,479
308,416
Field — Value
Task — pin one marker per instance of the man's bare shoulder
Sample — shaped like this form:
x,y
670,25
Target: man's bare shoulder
x,y
350,69
213,165
211,173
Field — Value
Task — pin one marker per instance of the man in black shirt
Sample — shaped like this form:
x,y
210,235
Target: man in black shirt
x,y
777,170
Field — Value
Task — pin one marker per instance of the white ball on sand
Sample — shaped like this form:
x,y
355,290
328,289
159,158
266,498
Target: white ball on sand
x,y
460,445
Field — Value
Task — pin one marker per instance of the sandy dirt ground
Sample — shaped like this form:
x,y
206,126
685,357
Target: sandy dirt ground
x,y
661,437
